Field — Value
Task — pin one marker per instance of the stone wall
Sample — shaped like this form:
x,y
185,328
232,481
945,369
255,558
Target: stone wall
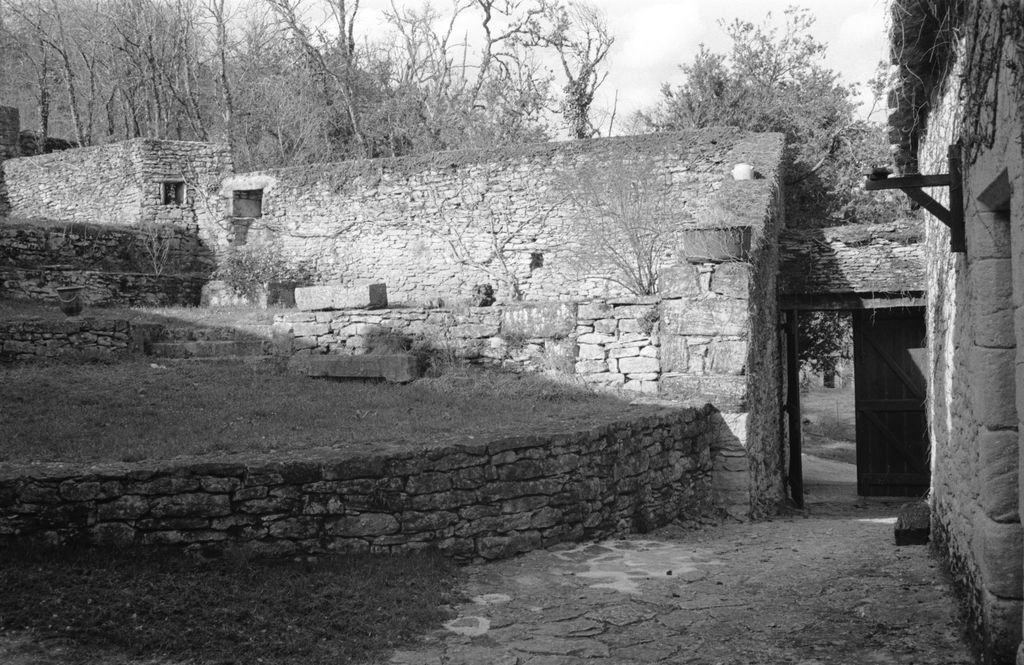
x,y
102,288
119,183
693,350
480,501
167,249
975,330
437,225
85,337
153,266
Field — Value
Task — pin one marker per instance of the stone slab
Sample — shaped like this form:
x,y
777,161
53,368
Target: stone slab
x,y
913,524
341,296
710,317
726,393
398,368
555,320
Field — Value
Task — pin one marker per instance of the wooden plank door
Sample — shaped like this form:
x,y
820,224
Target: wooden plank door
x,y
892,434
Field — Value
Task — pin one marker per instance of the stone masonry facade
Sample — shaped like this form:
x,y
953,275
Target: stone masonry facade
x,y
477,501
428,226
975,318
120,184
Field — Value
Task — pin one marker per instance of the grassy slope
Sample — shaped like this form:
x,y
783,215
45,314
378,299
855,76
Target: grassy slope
x,y
138,410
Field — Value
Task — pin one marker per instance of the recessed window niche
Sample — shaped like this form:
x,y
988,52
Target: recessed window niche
x,y
247,203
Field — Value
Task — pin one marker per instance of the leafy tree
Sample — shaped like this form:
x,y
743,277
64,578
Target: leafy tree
x,y
774,80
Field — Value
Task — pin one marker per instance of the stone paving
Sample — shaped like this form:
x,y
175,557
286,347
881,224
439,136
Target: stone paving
x,y
820,587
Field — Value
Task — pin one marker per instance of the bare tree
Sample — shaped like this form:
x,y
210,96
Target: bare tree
x,y
579,34
623,221
483,235
321,68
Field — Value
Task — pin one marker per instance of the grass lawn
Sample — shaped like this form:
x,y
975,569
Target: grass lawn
x,y
335,610
138,410
829,425
14,310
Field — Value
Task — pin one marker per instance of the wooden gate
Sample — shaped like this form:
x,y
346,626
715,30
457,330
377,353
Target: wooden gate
x,y
892,434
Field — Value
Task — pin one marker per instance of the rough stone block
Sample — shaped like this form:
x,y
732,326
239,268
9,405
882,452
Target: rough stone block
x,y
593,310
1002,621
913,524
997,474
399,367
539,320
367,524
992,384
680,281
732,279
674,354
591,366
999,551
727,357
341,296
596,338
727,393
639,365
712,316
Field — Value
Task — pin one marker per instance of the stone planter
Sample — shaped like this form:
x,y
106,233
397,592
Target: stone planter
x,y
716,245
70,299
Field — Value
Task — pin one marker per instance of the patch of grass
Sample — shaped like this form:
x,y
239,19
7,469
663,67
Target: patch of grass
x,y
337,610
183,316
137,410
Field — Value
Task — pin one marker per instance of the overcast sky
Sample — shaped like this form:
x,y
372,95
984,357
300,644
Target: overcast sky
x,y
653,37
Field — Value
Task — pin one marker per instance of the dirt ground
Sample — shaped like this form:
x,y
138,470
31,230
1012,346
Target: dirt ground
x,y
823,586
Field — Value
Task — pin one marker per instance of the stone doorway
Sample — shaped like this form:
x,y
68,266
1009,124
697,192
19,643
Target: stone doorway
x,y
878,427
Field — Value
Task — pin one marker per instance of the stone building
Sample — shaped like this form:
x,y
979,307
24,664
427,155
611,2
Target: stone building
x,y
960,98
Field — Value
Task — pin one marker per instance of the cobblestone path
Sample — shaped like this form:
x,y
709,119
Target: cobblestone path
x,y
822,588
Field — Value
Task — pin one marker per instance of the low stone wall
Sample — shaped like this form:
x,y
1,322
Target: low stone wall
x,y
479,501
695,346
102,288
169,248
34,339
610,342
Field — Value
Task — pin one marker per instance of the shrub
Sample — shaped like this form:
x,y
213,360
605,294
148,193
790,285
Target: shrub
x,y
248,269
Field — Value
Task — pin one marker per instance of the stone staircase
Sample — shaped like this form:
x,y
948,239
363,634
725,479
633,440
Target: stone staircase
x,y
249,342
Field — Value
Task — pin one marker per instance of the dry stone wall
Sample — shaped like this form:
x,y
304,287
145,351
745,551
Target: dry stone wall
x,y
118,184
481,501
437,225
86,337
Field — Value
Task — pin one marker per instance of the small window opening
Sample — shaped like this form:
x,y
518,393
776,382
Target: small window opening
x,y
247,203
173,193
536,260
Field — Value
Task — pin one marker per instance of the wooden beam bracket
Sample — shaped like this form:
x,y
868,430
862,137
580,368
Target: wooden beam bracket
x,y
953,217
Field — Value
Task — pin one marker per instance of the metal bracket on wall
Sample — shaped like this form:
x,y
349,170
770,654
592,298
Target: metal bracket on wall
x,y
911,185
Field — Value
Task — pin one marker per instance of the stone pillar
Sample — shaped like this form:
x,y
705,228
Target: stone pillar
x,y
997,540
